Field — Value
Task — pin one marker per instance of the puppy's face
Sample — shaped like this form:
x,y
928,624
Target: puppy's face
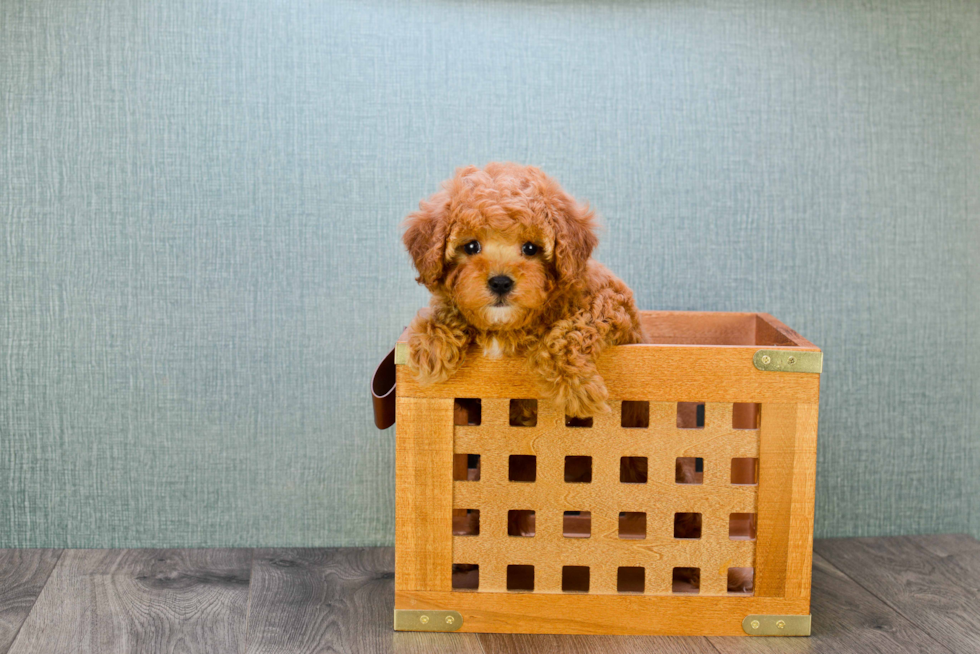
x,y
499,242
499,278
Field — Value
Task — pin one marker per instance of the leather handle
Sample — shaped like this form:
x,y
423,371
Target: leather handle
x,y
383,392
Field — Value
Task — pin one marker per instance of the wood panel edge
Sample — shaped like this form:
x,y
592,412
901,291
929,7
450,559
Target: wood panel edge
x,y
654,615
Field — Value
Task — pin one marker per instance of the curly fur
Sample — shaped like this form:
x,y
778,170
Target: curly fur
x,y
565,307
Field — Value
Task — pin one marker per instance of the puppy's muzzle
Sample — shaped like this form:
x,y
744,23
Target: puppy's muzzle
x,y
500,285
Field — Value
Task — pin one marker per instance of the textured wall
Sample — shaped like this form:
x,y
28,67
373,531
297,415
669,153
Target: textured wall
x,y
200,260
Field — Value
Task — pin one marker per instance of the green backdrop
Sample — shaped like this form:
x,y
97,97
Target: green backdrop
x,y
200,261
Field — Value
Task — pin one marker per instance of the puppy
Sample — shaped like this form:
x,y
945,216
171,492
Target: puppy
x,y
506,254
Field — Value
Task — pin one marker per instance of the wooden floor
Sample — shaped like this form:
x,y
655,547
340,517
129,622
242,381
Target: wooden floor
x,y
889,595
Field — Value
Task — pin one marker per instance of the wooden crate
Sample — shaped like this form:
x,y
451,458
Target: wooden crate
x,y
759,406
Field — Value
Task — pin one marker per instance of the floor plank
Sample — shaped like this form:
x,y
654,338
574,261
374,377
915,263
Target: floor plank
x,y
543,644
960,555
939,594
846,618
333,600
147,601
947,544
22,576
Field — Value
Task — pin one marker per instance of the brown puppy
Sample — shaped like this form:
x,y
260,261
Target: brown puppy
x,y
506,254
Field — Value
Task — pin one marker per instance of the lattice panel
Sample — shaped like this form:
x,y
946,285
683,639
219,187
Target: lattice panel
x,y
605,497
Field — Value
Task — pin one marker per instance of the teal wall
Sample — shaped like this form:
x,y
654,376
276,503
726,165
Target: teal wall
x,y
200,260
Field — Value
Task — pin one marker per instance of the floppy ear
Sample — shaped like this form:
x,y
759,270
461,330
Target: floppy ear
x,y
574,238
425,238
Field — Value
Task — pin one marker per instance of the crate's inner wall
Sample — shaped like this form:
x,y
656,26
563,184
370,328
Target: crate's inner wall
x,y
710,328
612,509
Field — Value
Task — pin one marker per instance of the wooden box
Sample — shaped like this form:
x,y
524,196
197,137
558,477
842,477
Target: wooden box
x,y
737,392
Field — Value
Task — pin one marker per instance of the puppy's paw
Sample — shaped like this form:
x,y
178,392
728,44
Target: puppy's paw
x,y
583,397
432,357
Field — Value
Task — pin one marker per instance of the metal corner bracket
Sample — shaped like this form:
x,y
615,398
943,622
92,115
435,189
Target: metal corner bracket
x,y
776,625
401,354
788,361
411,620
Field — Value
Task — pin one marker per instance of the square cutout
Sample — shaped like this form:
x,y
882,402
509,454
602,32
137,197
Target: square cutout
x,y
466,522
742,526
466,411
574,579
523,413
520,522
633,470
689,470
741,581
520,578
746,416
690,415
687,525
466,576
635,414
577,422
686,581
630,580
632,525
466,467
578,469
523,467
577,524
745,471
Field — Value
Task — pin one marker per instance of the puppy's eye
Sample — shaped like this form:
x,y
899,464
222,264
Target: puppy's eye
x,y
529,249
471,248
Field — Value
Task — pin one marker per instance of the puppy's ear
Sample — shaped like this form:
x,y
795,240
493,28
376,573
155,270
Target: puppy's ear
x,y
425,238
575,237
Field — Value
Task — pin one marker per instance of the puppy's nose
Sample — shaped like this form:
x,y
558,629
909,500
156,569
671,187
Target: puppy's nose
x,y
501,284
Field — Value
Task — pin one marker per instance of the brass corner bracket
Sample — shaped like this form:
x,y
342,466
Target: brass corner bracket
x,y
410,620
776,625
788,361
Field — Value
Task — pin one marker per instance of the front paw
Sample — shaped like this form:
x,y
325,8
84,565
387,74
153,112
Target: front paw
x,y
431,358
582,398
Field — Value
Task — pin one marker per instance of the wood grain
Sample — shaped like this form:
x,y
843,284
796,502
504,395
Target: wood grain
x,y
306,601
549,644
787,476
775,497
938,593
769,329
424,494
605,497
800,560
571,613
944,545
22,576
125,601
846,618
708,328
660,373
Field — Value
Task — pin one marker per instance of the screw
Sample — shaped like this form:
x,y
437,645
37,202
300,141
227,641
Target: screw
x,y
781,625
755,624
424,619
791,360
766,359
449,619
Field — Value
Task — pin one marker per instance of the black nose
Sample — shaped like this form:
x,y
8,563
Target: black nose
x,y
501,284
